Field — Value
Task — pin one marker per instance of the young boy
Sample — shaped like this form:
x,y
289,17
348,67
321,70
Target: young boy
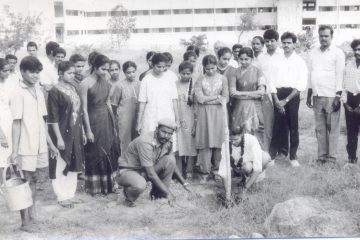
x,y
29,131
59,55
79,63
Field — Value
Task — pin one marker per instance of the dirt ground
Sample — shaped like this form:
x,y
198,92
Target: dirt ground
x,y
192,216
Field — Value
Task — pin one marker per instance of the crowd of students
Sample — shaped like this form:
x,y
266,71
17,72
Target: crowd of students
x,y
77,119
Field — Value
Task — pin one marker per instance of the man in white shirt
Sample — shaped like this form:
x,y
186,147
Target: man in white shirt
x,y
326,67
285,91
14,76
269,63
235,52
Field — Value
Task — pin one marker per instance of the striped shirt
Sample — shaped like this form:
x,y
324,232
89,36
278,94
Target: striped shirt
x,y
351,79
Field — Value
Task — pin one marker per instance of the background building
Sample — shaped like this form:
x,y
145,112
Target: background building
x,y
164,22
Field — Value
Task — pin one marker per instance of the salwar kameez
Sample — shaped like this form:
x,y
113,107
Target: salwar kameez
x,y
64,109
124,98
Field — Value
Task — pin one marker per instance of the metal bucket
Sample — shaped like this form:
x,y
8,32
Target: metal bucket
x,y
16,191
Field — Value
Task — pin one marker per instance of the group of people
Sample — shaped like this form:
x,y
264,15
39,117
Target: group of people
x,y
239,105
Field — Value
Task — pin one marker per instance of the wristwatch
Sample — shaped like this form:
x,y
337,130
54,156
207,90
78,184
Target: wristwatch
x,y
287,100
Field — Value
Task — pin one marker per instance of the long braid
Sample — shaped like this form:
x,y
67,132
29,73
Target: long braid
x,y
189,100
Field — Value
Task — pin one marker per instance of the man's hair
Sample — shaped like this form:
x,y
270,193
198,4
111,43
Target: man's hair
x,y
261,39
30,63
76,58
271,34
194,48
355,43
235,46
188,54
168,56
325,27
59,50
287,35
10,56
32,44
50,47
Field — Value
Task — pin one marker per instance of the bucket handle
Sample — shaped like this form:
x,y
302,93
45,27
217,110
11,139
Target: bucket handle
x,y
12,168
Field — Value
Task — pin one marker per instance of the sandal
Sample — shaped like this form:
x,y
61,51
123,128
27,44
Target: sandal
x,y
77,201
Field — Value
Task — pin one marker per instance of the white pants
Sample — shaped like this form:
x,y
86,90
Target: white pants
x,y
64,186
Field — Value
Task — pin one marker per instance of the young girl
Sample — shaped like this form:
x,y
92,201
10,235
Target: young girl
x,y
5,116
66,131
248,159
247,86
211,93
224,56
114,71
157,97
185,134
102,150
124,100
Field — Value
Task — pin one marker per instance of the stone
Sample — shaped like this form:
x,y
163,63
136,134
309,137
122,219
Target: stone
x,y
308,217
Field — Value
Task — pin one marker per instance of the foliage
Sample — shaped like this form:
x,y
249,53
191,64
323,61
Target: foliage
x,y
199,41
120,25
307,40
16,29
246,23
84,49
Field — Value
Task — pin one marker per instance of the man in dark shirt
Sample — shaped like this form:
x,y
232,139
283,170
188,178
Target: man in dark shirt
x,y
149,157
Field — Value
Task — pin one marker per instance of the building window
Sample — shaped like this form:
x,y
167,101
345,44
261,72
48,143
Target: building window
x,y
309,5
349,8
349,26
327,8
73,32
225,10
267,9
161,12
309,21
72,12
204,10
59,9
139,12
96,14
97,31
182,11
118,13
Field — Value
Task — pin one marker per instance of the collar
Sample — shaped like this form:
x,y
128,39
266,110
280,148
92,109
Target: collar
x,y
277,52
155,142
24,85
331,47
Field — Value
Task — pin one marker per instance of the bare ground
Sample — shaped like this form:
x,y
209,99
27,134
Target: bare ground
x,y
194,216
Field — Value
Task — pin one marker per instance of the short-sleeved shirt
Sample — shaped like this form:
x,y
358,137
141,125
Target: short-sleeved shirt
x,y
144,151
252,152
28,105
158,93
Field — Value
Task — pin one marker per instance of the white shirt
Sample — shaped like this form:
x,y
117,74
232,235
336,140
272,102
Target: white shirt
x,y
252,152
157,93
169,74
48,75
233,63
269,65
293,73
326,71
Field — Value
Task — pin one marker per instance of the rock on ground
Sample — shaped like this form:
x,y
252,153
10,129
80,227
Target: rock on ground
x,y
308,217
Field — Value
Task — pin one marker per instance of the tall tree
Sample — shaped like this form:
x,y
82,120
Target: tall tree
x,y
246,23
120,25
16,29
199,41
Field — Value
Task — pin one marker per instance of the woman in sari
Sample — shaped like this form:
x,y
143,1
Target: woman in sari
x,y
247,86
102,150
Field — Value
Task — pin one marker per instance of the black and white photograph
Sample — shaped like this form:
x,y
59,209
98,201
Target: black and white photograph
x,y
179,119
